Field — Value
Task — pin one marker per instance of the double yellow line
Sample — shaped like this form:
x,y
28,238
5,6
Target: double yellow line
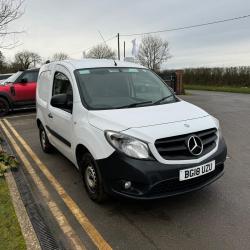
x,y
69,232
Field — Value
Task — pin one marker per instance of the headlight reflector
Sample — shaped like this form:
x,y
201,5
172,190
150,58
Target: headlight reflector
x,y
218,126
128,145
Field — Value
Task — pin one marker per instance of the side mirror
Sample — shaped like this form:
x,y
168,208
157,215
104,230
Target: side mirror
x,y
62,101
24,80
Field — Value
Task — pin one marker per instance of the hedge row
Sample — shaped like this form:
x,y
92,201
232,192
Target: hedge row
x,y
233,76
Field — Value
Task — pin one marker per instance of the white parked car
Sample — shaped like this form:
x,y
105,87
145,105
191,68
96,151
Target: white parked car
x,y
126,131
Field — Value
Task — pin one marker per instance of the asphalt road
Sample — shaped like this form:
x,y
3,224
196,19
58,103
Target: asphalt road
x,y
217,217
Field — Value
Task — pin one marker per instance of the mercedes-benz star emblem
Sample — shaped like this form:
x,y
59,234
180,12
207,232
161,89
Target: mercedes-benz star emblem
x,y
195,145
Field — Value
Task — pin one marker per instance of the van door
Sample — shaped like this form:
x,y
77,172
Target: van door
x,y
59,120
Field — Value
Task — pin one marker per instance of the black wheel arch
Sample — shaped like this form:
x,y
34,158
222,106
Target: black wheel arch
x,y
7,98
79,152
39,123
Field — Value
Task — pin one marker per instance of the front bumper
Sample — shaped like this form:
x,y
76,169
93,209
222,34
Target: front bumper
x,y
152,179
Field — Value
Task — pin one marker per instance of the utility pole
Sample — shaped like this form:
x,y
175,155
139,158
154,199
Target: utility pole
x,y
118,40
124,49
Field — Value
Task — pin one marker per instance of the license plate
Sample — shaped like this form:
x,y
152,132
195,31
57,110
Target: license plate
x,y
191,173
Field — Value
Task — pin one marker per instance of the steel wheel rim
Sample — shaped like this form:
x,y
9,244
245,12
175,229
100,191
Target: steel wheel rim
x,y
43,139
91,178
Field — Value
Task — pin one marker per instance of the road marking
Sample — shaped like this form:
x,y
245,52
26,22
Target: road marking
x,y
88,227
54,209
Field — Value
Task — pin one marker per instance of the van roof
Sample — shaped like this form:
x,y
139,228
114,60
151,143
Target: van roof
x,y
96,63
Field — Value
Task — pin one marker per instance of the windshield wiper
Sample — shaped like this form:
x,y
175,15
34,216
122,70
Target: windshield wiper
x,y
163,99
134,104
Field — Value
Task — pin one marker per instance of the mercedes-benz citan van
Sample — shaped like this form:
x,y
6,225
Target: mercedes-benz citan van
x,y
126,131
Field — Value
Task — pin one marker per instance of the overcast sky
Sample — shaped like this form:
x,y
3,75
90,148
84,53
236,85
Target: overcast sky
x,y
72,27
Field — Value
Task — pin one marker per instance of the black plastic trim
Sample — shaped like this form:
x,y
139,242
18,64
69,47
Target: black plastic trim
x,y
59,137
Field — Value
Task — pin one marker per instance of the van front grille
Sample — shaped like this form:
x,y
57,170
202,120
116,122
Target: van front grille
x,y
175,148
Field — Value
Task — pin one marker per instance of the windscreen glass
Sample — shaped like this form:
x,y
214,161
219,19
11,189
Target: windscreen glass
x,y
112,88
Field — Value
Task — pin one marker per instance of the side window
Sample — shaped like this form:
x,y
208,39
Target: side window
x,y
29,76
62,86
43,85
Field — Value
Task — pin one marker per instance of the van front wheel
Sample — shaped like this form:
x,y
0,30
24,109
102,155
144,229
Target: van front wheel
x,y
92,179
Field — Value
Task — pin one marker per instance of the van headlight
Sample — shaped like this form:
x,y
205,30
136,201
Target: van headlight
x,y
217,122
128,145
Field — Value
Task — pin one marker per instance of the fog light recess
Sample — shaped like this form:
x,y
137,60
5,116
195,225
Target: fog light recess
x,y
127,185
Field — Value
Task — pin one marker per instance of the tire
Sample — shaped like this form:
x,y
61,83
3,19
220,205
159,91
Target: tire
x,y
45,144
92,179
4,107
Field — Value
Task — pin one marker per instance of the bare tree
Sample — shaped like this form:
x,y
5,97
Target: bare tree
x,y
26,59
10,10
3,63
60,56
153,52
101,52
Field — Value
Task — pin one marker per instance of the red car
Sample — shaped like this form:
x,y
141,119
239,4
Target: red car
x,y
18,91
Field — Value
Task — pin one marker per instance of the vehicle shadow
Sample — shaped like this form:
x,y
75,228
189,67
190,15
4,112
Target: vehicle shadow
x,y
162,208
17,112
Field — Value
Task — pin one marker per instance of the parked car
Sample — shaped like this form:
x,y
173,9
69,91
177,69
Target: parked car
x,y
18,91
126,131
4,76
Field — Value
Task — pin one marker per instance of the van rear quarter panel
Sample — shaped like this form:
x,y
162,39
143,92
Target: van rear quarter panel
x,y
43,91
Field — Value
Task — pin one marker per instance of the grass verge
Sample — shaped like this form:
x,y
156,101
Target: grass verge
x,y
10,233
244,90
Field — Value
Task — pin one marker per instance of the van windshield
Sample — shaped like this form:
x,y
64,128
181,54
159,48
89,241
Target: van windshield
x,y
114,88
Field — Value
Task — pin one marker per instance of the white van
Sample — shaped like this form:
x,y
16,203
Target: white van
x,y
126,131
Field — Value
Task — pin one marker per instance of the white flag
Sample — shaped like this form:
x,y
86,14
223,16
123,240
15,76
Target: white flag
x,y
135,49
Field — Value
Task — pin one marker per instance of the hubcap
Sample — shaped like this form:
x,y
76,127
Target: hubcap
x,y
91,178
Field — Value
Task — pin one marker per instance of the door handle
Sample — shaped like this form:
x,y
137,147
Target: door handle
x,y
50,115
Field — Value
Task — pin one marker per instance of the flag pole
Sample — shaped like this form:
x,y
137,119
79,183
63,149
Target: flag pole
x,y
118,43
124,49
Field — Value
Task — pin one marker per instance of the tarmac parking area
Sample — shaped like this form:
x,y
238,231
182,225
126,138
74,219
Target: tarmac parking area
x,y
216,217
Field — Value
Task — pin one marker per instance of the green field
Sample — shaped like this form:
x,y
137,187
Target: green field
x,y
245,90
10,233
